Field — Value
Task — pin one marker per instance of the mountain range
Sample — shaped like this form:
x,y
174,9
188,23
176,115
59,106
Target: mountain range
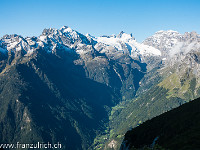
x,y
86,92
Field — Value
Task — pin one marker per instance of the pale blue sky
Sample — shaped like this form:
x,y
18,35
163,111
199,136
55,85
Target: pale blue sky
x,y
99,17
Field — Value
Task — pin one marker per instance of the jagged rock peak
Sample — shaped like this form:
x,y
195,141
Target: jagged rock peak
x,y
88,35
64,27
62,30
12,36
124,35
120,34
191,35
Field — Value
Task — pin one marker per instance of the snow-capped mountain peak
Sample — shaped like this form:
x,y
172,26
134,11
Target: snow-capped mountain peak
x,y
163,43
67,38
163,40
173,45
14,43
64,27
126,43
68,31
125,37
88,35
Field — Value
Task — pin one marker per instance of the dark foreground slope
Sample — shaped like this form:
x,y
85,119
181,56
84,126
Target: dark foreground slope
x,y
178,129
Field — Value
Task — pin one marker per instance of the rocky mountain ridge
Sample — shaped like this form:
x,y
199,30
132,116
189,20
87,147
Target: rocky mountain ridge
x,y
67,38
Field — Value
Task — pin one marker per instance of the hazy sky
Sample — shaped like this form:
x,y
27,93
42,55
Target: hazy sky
x,y
99,17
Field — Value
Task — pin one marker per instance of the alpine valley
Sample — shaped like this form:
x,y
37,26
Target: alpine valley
x,y
86,92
